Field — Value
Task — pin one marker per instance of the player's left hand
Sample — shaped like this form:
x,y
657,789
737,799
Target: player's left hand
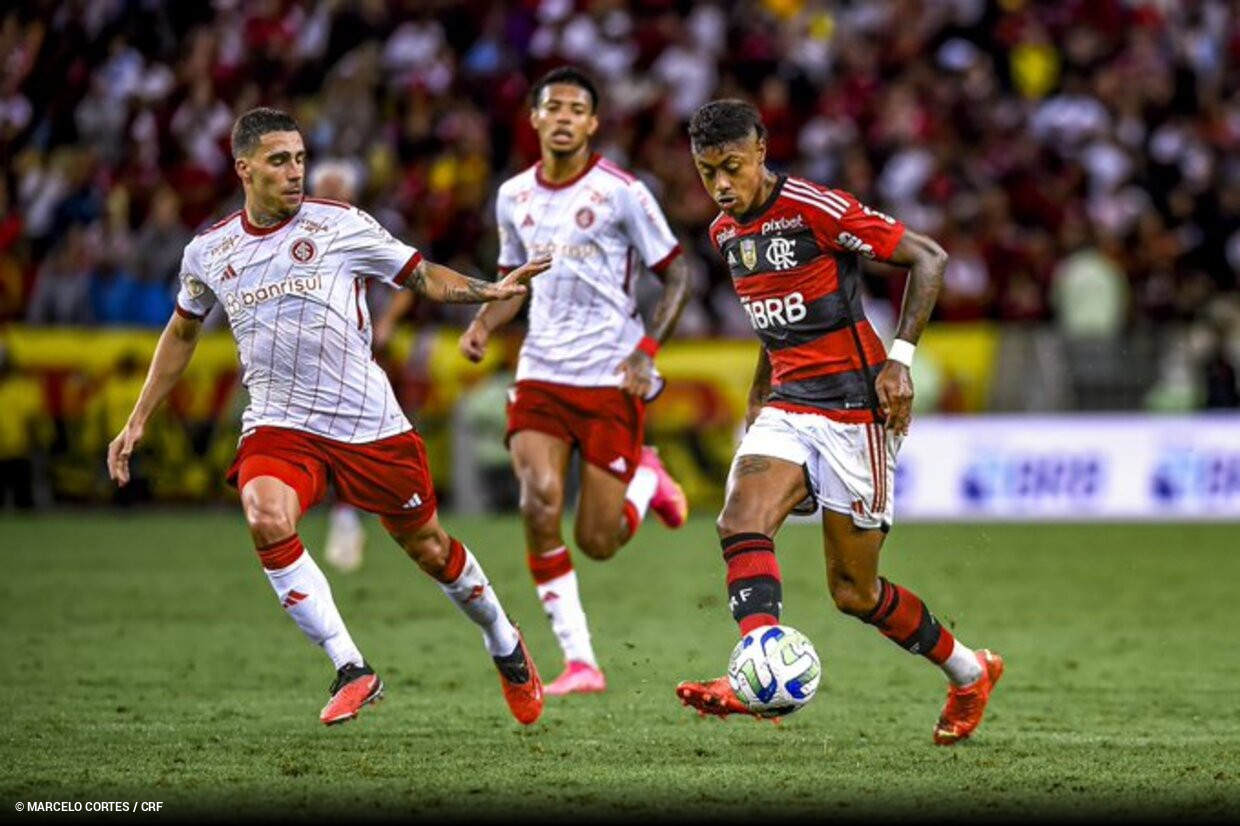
x,y
637,374
517,282
894,387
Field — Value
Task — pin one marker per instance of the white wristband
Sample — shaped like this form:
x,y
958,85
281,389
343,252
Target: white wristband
x,y
902,352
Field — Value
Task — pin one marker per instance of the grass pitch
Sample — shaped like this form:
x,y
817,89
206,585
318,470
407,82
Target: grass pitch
x,y
146,659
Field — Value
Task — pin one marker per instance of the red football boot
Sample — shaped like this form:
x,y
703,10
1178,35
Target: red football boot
x,y
712,697
523,690
966,704
355,686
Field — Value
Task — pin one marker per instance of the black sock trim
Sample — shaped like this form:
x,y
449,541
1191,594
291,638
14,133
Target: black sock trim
x,y
742,543
885,589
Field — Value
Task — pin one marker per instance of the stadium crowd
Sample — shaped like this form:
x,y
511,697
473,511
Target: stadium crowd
x,y
1078,159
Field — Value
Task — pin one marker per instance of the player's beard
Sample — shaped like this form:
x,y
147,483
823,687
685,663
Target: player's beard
x,y
278,210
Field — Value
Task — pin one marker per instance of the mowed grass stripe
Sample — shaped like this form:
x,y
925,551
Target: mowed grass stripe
x,y
165,670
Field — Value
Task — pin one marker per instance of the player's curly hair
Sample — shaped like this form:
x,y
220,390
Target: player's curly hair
x,y
249,129
565,74
721,122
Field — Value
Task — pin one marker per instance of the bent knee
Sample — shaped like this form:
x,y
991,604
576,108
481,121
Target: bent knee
x,y
737,520
598,544
429,548
268,523
541,503
853,598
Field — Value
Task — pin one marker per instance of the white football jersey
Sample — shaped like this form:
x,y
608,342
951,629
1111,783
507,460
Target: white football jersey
x,y
583,319
295,294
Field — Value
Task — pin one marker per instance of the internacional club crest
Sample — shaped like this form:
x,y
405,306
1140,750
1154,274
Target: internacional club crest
x,y
302,251
585,217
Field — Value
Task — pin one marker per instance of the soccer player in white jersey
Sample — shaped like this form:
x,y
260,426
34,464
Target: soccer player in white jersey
x,y
334,179
291,272
586,368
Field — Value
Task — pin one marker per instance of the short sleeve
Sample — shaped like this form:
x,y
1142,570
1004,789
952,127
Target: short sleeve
x,y
512,252
847,224
194,297
648,228
373,252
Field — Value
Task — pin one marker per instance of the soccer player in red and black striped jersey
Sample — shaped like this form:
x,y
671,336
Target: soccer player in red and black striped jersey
x,y
829,406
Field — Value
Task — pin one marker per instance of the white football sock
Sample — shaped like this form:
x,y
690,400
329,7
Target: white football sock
x,y
641,490
961,666
474,595
303,591
562,602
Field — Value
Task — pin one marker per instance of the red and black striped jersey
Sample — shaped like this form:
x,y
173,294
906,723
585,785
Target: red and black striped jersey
x,y
795,266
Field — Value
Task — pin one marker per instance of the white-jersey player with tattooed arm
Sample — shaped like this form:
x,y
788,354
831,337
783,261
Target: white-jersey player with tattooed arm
x,y
586,369
291,273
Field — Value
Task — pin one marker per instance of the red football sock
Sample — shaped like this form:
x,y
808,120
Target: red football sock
x,y
902,618
754,585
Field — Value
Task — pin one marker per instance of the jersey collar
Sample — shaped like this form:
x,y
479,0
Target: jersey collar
x,y
253,230
543,182
756,212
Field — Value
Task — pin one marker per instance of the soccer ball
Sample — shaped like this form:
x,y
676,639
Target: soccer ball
x,y
774,670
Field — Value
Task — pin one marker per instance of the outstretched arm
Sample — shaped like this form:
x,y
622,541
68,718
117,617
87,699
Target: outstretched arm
x,y
490,317
447,286
926,261
638,368
172,355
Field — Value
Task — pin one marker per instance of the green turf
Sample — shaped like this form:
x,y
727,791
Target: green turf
x,y
145,659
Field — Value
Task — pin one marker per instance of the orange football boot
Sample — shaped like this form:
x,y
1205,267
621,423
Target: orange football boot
x,y
523,689
712,697
966,704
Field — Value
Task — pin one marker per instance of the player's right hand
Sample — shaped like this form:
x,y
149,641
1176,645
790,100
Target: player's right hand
x,y
119,451
894,387
473,341
516,282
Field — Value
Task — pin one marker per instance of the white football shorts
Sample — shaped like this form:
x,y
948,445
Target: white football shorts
x,y
850,468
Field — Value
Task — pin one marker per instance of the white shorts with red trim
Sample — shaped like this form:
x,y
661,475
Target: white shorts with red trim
x,y
850,468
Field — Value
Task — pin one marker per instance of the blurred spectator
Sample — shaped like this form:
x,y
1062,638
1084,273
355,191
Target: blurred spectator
x,y
158,245
61,292
24,430
994,124
1222,390
1089,290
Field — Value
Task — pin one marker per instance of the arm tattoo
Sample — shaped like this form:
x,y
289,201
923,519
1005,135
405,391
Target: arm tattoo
x,y
471,291
417,280
925,279
750,465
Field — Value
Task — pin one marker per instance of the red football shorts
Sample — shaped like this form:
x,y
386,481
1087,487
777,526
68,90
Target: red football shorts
x,y
604,423
390,477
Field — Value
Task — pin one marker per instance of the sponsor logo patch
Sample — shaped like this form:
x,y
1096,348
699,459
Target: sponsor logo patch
x,y
783,224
